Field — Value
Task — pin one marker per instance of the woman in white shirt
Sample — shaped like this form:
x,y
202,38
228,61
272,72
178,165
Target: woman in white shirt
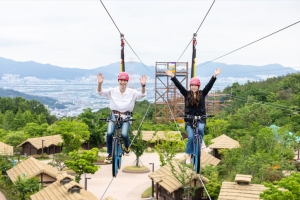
x,y
121,100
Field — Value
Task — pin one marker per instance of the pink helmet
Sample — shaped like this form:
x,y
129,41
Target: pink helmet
x,y
123,76
195,81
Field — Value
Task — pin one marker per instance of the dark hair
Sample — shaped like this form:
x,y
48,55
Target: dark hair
x,y
191,100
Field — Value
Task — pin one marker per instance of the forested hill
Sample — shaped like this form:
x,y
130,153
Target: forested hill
x,y
51,102
273,101
281,92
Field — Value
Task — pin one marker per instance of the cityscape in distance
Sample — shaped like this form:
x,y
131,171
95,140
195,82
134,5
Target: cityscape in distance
x,y
73,90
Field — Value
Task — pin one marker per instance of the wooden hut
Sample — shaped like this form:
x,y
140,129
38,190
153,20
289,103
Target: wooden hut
x,y
155,136
31,167
205,160
241,189
222,142
64,188
168,187
47,144
6,149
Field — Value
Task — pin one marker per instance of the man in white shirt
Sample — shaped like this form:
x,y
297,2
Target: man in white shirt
x,y
121,100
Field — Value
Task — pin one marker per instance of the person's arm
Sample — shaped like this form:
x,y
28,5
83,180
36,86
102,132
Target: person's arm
x,y
211,82
100,81
182,89
143,83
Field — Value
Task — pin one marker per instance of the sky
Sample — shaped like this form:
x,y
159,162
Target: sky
x,y
80,33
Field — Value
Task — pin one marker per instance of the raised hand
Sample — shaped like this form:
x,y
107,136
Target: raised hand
x,y
143,80
217,72
169,73
100,78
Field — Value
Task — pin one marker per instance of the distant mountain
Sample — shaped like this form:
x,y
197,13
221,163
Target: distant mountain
x,y
51,102
47,71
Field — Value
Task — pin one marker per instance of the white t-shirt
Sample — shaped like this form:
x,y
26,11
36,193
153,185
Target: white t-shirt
x,y
121,102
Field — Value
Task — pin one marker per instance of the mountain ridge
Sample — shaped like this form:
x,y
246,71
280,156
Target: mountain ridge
x,y
110,71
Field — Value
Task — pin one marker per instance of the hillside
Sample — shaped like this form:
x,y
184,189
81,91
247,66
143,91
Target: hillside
x,y
51,102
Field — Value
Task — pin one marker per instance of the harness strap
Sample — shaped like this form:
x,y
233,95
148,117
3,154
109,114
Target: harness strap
x,y
123,113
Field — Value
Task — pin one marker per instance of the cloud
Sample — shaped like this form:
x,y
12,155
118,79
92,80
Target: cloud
x,y
81,34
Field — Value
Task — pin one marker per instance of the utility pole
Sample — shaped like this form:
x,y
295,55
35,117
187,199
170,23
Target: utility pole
x,y
43,149
152,180
85,181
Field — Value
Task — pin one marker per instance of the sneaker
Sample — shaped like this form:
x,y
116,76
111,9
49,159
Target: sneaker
x,y
188,159
126,150
108,159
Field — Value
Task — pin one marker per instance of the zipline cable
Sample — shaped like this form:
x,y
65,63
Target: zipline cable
x,y
249,44
124,38
204,186
197,30
266,104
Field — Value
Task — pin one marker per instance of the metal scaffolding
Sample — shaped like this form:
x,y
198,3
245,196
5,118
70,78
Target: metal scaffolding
x,y
167,97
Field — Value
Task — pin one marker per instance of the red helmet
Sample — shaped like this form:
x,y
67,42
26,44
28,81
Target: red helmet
x,y
195,81
123,76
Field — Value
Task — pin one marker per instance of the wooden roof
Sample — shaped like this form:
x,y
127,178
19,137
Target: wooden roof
x,y
31,167
148,135
166,179
243,178
48,141
245,191
224,142
109,198
6,149
59,191
206,159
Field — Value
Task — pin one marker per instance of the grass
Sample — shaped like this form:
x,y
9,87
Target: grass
x,y
101,158
136,169
147,193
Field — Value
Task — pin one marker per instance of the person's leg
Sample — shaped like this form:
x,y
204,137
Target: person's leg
x,y
109,136
190,144
124,133
201,131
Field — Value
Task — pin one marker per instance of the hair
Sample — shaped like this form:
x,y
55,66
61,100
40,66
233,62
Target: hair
x,y
191,100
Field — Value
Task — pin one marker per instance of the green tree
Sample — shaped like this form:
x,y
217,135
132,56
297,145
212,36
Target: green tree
x,y
27,115
73,132
138,146
286,188
91,119
217,127
19,121
5,163
15,138
24,187
8,120
168,146
214,185
35,130
83,162
185,174
58,161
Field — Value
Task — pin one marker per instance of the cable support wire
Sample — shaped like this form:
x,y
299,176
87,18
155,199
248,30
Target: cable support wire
x,y
107,187
263,102
124,38
129,146
267,104
141,124
204,186
249,44
197,29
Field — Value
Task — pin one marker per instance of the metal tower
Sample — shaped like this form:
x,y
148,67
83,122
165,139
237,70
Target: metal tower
x,y
169,102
